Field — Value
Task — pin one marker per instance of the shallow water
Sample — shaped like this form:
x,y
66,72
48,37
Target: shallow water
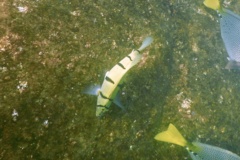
x,y
51,50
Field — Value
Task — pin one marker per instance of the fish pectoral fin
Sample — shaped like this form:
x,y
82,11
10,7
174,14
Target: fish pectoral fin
x,y
92,90
232,65
117,101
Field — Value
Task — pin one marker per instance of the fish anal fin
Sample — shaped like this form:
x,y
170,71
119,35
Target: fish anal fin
x,y
117,101
232,65
117,97
172,135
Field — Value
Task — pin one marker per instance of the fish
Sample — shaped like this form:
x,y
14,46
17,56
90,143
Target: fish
x,y
108,93
230,32
196,150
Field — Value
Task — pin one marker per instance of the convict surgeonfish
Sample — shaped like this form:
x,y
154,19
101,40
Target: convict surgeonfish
x,y
197,150
230,32
107,93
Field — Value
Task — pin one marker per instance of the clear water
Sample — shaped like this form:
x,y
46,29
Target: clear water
x,y
51,50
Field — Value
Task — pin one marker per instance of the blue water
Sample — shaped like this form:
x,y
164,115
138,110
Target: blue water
x,y
50,51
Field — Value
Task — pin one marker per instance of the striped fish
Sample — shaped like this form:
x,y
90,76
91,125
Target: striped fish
x,y
107,94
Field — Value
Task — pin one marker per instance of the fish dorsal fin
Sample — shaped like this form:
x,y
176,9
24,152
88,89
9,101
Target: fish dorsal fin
x,y
213,4
172,135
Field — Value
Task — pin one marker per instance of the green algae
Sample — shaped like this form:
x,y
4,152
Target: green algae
x,y
60,47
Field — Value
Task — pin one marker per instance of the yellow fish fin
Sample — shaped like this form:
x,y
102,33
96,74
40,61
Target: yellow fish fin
x,y
172,135
213,4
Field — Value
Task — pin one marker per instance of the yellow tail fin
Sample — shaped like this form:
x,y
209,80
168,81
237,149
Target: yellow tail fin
x,y
172,135
213,4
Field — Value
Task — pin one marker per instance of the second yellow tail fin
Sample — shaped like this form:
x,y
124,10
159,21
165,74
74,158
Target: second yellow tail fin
x,y
172,135
213,4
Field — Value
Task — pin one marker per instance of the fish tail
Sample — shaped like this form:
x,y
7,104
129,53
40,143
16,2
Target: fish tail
x,y
213,4
147,41
172,135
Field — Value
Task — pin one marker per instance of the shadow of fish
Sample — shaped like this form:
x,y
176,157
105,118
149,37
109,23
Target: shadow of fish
x,y
108,92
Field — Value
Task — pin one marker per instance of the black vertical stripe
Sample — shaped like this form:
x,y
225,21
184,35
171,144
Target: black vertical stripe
x,y
102,106
103,96
129,58
109,79
121,65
